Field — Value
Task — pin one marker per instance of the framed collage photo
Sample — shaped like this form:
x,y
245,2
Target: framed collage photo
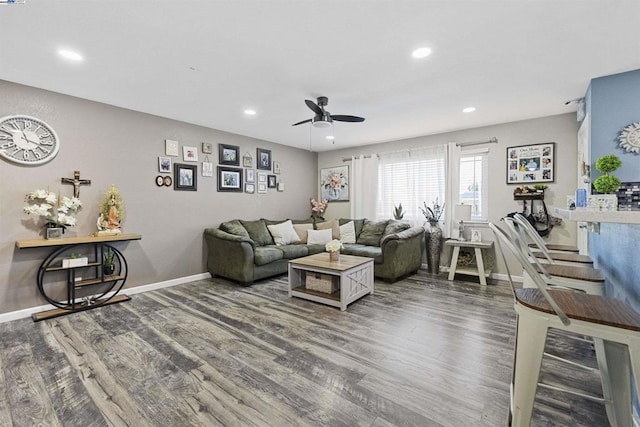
x,y
264,159
230,179
228,155
528,164
185,177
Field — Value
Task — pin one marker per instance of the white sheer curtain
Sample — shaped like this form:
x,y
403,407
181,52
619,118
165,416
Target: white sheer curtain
x,y
453,192
412,177
364,185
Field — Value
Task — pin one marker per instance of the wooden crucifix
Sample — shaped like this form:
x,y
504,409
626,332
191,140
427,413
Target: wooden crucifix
x,y
76,182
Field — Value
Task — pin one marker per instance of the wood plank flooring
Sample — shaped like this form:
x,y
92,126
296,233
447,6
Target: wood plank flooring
x,y
420,352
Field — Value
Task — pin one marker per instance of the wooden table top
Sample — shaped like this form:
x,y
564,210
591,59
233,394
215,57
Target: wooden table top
x,y
468,244
321,260
42,243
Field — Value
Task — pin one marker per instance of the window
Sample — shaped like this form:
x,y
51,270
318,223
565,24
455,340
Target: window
x,y
474,172
411,178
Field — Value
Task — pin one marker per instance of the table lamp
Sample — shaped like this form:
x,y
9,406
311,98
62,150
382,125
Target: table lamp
x,y
461,213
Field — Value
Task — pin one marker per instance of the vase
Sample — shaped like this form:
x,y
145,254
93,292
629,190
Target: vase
x,y
108,269
54,232
334,256
434,246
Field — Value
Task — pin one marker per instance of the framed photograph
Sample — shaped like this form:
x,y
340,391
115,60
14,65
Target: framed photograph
x,y
189,154
276,167
159,180
207,148
249,188
476,235
262,178
247,160
171,148
334,183
185,177
281,186
262,188
264,159
168,181
271,181
164,164
228,155
207,169
249,175
528,164
229,179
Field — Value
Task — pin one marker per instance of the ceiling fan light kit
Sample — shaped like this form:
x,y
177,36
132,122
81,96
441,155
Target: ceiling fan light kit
x,y
323,118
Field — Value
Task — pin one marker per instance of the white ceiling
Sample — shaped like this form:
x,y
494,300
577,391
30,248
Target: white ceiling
x,y
204,62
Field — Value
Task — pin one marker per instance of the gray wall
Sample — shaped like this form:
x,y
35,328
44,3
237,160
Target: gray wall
x,y
561,129
111,145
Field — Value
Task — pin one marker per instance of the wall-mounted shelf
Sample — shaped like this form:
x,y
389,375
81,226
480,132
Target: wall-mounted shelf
x,y
595,217
528,196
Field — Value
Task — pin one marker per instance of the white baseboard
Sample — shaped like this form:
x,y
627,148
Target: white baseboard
x,y
27,312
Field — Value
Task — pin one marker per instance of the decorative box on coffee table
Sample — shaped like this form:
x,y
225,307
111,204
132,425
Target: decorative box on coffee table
x,y
335,283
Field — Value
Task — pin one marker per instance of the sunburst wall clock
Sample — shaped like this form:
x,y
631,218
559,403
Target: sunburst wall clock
x,y
630,138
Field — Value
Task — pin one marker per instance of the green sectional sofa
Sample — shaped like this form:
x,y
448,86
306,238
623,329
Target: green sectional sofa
x,y
245,251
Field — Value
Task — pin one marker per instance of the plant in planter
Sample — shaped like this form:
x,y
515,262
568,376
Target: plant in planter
x,y
398,213
540,187
607,184
109,264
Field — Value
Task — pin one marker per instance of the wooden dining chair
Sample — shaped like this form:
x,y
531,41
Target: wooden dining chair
x,y
613,324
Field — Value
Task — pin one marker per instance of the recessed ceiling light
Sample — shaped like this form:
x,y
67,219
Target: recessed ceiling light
x,y
469,110
330,137
70,54
421,52
250,112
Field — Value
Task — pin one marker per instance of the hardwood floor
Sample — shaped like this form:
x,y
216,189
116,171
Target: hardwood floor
x,y
420,352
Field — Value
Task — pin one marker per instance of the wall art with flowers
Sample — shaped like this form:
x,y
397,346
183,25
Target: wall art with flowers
x,y
334,184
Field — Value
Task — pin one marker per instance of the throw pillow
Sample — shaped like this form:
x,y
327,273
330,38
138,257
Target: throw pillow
x,y
258,232
348,233
283,233
357,224
372,233
333,225
301,230
319,237
234,227
395,226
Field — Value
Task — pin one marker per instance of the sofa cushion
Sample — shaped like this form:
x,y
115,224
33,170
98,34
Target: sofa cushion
x,y
319,237
302,229
333,225
234,227
348,233
372,233
395,226
357,224
258,232
364,251
283,233
316,249
266,254
294,251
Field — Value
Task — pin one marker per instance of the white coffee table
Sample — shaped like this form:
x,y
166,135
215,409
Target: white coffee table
x,y
355,273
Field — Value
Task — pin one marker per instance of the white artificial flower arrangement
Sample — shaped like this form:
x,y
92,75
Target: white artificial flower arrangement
x,y
55,212
333,246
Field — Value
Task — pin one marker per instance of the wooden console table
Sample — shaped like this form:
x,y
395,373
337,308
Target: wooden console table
x,y
65,288
474,270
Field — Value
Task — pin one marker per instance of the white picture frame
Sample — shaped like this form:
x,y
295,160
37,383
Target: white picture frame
x,y
207,169
262,187
171,148
262,178
249,187
249,175
164,164
189,153
476,235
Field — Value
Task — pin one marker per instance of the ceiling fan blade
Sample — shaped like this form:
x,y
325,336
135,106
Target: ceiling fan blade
x,y
341,118
299,123
314,107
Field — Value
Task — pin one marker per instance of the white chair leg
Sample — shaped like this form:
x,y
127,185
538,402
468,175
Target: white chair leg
x,y
532,335
613,363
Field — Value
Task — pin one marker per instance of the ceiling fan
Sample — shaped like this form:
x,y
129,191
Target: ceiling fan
x,y
323,118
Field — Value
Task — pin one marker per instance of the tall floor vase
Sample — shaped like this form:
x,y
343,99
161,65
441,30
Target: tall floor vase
x,y
434,246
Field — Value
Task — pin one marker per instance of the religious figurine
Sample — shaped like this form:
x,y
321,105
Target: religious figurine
x,y
111,213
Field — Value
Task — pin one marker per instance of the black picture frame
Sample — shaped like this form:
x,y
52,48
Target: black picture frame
x,y
230,179
185,177
271,181
229,155
530,164
263,160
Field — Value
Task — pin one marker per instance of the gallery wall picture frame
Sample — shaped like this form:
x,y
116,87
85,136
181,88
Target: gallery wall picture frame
x,y
159,180
189,153
276,167
334,183
164,164
185,177
476,235
247,160
207,148
281,186
207,167
263,159
171,148
228,155
249,187
271,181
262,178
529,164
168,181
249,175
262,188
230,179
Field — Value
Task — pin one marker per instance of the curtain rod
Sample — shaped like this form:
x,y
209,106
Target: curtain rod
x,y
493,140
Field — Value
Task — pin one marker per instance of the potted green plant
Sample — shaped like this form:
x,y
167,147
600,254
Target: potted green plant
x,y
109,262
540,187
398,213
606,184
